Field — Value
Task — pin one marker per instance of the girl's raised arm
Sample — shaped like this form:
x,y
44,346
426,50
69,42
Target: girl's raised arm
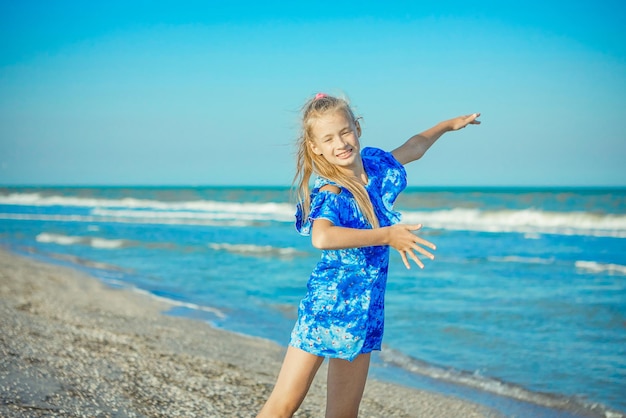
x,y
417,145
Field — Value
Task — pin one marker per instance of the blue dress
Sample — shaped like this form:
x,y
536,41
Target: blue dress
x,y
342,314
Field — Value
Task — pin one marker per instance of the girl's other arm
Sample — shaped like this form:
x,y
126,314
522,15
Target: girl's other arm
x,y
417,145
326,236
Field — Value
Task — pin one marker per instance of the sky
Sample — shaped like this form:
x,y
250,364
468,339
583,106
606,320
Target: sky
x,y
209,92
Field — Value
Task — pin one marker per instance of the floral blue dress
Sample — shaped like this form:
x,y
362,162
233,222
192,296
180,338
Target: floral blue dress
x,y
342,314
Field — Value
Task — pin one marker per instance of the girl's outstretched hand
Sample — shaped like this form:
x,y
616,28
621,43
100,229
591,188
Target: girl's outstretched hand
x,y
406,242
461,122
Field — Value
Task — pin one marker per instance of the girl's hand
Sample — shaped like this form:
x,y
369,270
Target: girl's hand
x,y
461,122
406,242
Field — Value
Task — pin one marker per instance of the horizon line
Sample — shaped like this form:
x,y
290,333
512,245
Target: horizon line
x,y
286,186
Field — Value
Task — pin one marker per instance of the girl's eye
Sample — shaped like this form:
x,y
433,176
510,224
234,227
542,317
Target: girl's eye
x,y
344,133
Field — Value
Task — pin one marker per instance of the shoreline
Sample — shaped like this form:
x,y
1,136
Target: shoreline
x,y
72,347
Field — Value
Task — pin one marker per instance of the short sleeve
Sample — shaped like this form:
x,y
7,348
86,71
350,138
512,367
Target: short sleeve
x,y
324,205
388,179
386,161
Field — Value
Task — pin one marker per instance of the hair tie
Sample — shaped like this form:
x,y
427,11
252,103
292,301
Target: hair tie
x,y
320,96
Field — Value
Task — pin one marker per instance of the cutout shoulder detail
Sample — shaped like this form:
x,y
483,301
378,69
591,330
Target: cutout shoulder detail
x,y
330,188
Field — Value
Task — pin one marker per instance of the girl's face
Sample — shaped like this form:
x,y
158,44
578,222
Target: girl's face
x,y
336,137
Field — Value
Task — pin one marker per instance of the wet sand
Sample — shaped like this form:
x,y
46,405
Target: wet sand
x,y
72,347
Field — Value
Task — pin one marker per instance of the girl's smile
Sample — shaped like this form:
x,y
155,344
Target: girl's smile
x,y
345,155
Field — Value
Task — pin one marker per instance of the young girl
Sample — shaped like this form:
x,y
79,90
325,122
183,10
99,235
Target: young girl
x,y
349,215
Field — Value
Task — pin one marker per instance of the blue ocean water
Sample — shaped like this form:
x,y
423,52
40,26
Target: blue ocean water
x,y
526,298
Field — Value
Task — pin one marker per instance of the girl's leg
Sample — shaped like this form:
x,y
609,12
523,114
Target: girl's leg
x,y
294,380
346,382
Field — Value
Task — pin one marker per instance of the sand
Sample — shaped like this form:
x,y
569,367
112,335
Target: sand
x,y
71,346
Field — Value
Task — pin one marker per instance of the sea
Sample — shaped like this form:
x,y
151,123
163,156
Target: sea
x,y
523,308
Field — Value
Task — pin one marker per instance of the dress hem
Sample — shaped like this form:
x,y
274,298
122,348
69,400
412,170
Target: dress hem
x,y
329,356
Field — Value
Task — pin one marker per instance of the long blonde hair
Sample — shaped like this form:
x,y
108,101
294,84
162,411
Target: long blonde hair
x,y
308,162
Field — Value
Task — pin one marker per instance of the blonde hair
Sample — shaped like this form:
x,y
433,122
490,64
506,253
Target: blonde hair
x,y
308,162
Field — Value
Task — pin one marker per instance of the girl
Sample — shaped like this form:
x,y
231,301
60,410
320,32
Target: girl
x,y
349,215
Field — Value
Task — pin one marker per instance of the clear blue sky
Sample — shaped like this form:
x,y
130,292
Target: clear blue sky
x,y
208,93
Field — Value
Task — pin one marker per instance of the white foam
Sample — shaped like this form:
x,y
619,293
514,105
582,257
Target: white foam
x,y
260,250
58,239
518,259
94,242
596,267
263,211
248,214
487,384
526,221
530,222
178,303
127,220
107,243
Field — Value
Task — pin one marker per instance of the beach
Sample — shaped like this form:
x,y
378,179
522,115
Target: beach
x,y
70,346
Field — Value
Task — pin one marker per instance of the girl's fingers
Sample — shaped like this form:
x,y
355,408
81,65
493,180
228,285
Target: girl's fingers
x,y
416,246
424,252
404,260
425,243
416,259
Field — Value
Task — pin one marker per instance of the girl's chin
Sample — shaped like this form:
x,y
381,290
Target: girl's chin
x,y
345,163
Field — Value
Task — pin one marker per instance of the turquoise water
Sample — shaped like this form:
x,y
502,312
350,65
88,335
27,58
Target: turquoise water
x,y
526,298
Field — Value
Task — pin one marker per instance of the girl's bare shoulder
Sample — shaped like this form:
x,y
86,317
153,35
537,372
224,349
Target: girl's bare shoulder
x,y
330,188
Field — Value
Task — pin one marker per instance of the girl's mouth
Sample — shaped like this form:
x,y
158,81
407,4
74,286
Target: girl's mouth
x,y
345,154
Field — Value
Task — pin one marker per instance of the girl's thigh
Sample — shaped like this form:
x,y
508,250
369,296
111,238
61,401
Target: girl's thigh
x,y
346,382
294,379
298,369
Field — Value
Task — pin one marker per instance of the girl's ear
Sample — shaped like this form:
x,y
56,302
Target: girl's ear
x,y
314,148
357,125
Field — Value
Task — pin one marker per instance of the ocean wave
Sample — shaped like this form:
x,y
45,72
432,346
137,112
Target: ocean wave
x,y
249,214
256,250
104,243
95,242
179,304
127,220
530,222
492,385
527,221
169,301
195,209
103,267
523,260
596,267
